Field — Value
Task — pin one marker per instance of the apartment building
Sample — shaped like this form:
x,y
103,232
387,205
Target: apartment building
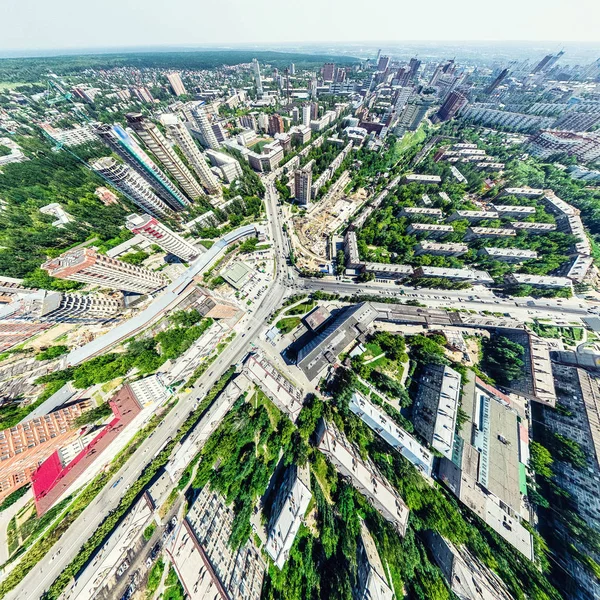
x,y
87,266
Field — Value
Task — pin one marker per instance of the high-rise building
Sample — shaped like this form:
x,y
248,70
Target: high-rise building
x,y
501,77
451,106
120,142
257,78
26,445
79,308
154,231
295,114
314,110
275,124
383,63
156,142
228,166
306,115
313,88
130,184
414,112
414,65
547,62
87,266
176,84
179,133
143,94
203,126
302,184
328,71
292,69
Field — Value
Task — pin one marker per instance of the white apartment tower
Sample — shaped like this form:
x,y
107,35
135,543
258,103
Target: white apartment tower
x,y
179,133
257,77
306,115
130,184
151,135
176,84
209,139
154,231
87,266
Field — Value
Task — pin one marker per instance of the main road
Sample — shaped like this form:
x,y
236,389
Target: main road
x,y
41,577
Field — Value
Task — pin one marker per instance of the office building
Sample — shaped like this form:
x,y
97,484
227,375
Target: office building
x,y
383,63
453,103
181,136
26,445
363,475
204,128
87,266
257,78
287,513
130,184
156,142
303,184
176,84
157,233
436,407
414,65
371,580
547,62
120,142
276,124
272,155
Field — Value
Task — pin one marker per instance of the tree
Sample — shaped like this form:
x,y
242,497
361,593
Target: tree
x,y
541,460
503,359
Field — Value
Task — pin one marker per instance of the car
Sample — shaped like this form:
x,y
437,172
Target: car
x,y
117,482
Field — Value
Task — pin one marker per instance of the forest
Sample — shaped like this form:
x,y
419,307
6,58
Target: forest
x,y
29,70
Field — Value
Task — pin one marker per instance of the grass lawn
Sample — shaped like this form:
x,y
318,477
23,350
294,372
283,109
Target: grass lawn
x,y
301,309
410,139
288,324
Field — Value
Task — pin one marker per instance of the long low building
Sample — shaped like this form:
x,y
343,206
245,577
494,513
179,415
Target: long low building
x,y
474,233
363,474
473,215
539,281
429,229
471,275
506,210
441,249
436,407
282,392
416,178
532,226
525,192
510,255
392,433
287,513
416,211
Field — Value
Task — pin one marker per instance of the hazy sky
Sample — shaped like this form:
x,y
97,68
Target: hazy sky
x,y
41,24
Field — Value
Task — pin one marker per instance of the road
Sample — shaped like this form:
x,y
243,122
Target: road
x,y
480,300
51,566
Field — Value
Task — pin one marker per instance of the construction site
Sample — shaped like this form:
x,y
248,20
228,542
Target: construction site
x,y
313,229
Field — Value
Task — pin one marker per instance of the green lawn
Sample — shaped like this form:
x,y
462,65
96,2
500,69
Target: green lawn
x,y
288,324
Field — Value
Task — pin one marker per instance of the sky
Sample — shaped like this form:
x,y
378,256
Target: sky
x,y
63,24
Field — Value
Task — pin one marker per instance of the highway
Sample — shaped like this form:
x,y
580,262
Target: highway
x,y
41,577
480,299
